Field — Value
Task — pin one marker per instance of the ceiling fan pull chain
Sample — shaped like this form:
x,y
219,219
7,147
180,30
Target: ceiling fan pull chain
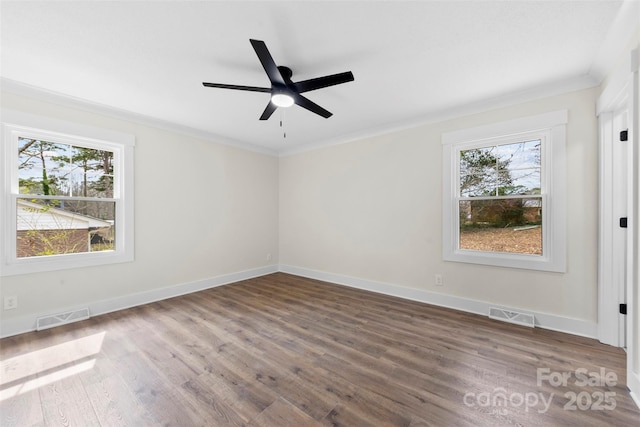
x,y
284,132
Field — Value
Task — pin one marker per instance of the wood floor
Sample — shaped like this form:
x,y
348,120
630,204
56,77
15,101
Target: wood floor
x,y
281,350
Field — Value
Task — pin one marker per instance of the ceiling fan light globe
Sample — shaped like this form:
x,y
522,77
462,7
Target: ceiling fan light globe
x,y
282,100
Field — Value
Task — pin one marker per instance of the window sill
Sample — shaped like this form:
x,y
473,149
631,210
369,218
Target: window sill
x,y
503,259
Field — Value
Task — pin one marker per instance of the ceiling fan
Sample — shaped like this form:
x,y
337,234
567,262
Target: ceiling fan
x,y
284,92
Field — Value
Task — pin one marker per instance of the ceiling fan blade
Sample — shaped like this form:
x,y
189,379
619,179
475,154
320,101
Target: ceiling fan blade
x,y
311,106
237,87
267,62
320,82
271,107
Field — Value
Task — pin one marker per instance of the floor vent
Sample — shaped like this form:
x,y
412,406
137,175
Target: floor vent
x,y
47,322
512,317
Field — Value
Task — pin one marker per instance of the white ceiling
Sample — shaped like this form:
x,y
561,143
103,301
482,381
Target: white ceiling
x,y
412,61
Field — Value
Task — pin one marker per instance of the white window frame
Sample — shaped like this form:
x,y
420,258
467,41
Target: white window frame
x,y
17,124
551,127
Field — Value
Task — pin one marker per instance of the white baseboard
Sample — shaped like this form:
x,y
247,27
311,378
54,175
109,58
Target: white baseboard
x,y
633,384
635,398
19,325
543,320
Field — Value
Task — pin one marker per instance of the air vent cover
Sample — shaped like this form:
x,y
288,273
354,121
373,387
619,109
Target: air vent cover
x,y
512,317
47,322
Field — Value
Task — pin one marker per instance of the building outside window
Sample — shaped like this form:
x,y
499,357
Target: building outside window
x,y
68,195
504,192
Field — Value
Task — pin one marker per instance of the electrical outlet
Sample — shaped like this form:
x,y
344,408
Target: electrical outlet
x,y
269,257
438,280
10,303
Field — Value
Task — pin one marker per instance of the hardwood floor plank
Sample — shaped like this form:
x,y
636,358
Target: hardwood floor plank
x,y
115,405
153,389
285,350
406,399
269,372
212,397
237,388
358,413
65,403
20,409
283,414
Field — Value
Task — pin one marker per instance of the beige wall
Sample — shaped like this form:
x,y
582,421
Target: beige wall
x,y
368,209
371,209
202,210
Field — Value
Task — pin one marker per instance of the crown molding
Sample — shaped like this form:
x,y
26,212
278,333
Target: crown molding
x,y
531,94
554,88
40,94
625,27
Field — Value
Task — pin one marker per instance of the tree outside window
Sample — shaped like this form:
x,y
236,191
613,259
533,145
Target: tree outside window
x,y
504,188
500,204
65,199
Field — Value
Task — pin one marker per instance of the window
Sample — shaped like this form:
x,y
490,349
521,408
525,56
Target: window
x,y
504,193
67,198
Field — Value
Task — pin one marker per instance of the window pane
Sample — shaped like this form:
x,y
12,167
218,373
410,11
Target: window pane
x,y
47,168
477,185
53,227
43,167
525,182
481,173
520,155
505,225
92,172
501,170
521,162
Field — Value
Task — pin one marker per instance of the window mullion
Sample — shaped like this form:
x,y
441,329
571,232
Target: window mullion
x,y
58,197
512,196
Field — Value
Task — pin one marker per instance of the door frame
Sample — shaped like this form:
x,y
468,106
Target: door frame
x,y
622,93
613,204
633,273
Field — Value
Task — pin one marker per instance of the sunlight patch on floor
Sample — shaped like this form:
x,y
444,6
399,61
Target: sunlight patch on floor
x,y
38,368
